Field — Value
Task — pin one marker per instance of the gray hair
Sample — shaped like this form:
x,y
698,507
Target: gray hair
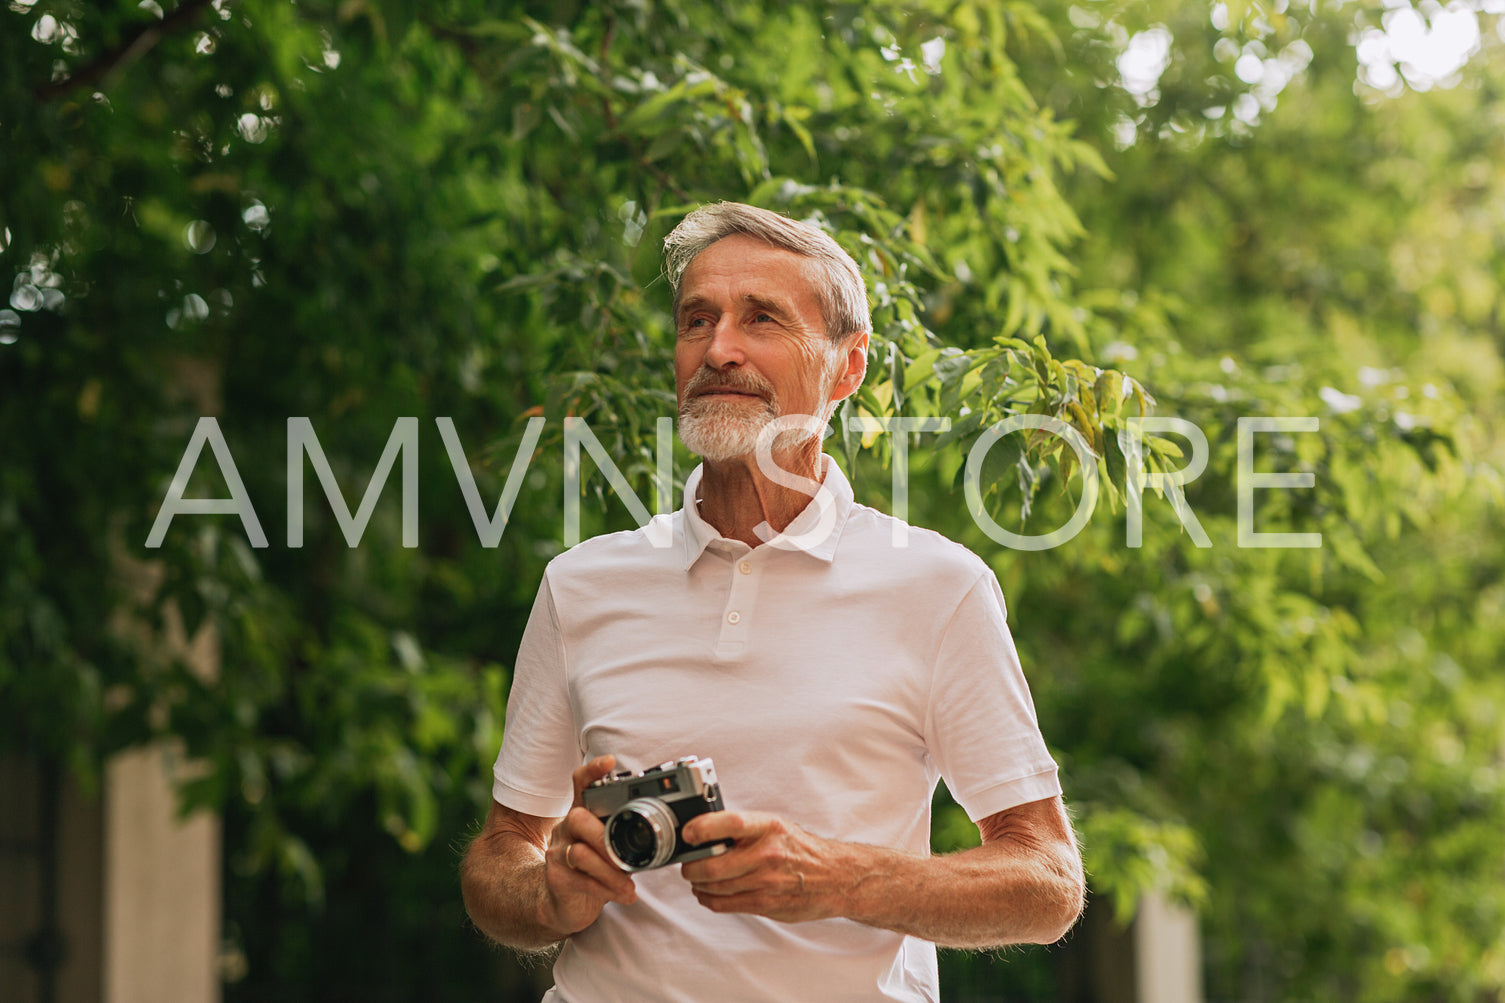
x,y
842,295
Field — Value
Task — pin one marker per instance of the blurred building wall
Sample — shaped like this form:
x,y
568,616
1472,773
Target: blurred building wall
x,y
1167,953
1156,958
107,896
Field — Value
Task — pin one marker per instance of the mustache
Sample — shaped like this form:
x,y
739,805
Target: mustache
x,y
704,379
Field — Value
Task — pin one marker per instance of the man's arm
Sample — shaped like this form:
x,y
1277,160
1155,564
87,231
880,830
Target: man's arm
x,y
1024,884
529,881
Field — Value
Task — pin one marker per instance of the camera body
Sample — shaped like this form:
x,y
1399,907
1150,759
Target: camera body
x,y
645,811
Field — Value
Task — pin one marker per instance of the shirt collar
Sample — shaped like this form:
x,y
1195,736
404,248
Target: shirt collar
x,y
803,533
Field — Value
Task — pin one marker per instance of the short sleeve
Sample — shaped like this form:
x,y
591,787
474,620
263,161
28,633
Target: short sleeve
x,y
981,728
540,748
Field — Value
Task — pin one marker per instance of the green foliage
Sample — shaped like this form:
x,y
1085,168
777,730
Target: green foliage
x,y
361,211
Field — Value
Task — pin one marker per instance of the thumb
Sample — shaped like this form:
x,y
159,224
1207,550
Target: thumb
x,y
588,774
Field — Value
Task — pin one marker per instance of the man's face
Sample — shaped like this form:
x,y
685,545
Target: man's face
x,y
751,346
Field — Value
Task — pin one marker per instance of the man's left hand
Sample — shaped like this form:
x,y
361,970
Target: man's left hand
x,y
776,869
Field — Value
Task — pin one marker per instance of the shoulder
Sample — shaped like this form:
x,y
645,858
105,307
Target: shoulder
x,y
911,551
658,542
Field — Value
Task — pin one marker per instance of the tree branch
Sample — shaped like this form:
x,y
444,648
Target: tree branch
x,y
132,48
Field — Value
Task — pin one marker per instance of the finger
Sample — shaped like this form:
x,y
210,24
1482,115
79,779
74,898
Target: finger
x,y
579,826
757,903
583,827
741,901
722,885
738,826
588,869
723,867
768,880
589,773
732,872
589,835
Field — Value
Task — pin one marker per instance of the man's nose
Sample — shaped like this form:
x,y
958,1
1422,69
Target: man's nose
x,y
727,346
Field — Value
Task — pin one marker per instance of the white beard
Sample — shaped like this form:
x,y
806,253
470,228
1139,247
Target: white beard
x,y
717,431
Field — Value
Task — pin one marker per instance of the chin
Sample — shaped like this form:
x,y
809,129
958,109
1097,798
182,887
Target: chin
x,y
718,438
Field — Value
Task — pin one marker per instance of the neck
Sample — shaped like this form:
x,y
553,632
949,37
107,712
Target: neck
x,y
736,496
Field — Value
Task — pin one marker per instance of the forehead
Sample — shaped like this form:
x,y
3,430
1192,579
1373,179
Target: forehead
x,y
741,266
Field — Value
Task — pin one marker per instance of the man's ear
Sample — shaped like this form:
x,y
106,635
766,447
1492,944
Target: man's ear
x,y
854,366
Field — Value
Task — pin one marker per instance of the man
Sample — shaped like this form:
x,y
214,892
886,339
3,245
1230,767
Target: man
x,y
831,675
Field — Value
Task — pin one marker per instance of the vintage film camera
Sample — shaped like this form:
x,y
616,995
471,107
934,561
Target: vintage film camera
x,y
645,811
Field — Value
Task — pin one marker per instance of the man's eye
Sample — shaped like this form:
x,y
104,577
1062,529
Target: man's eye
x,y
762,318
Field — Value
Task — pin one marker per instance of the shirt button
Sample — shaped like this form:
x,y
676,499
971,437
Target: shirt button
x,y
745,567
734,617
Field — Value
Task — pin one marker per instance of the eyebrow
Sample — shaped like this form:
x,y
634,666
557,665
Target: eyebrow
x,y
769,305
765,303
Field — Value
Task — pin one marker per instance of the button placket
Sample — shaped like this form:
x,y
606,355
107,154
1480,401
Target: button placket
x,y
741,596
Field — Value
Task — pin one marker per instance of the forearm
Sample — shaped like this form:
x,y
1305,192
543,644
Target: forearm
x,y
1023,885
502,879
990,896
520,885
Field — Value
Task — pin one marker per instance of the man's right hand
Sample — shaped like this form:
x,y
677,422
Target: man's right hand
x,y
579,875
530,881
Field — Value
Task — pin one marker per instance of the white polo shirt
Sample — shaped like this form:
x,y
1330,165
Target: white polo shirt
x,y
833,676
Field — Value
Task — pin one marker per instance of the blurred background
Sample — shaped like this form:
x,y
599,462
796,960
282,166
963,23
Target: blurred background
x,y
239,759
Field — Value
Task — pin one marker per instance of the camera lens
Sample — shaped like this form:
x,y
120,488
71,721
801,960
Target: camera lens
x,y
641,834
634,841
